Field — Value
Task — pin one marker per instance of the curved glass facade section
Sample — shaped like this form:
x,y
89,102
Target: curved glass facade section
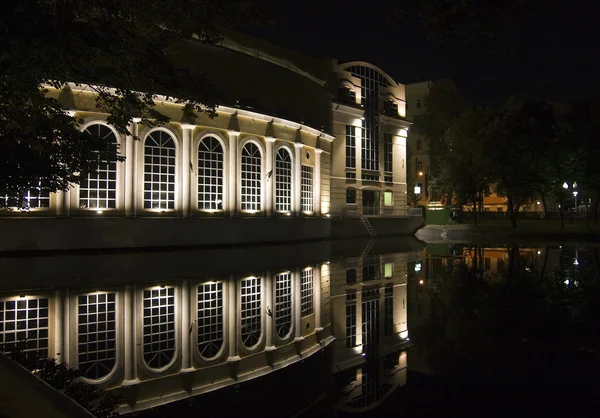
x,y
159,326
210,319
210,174
251,177
283,304
283,181
97,340
159,171
251,324
99,190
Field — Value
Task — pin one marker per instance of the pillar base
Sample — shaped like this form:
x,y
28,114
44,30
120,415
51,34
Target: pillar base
x,y
298,343
233,364
187,378
270,354
319,333
130,390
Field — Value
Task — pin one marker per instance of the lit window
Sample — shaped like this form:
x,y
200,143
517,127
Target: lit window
x,y
210,174
159,171
210,319
24,323
251,324
283,181
350,147
307,188
388,153
99,190
388,199
307,292
388,270
34,198
388,308
251,177
350,320
159,326
283,304
97,343
370,149
350,196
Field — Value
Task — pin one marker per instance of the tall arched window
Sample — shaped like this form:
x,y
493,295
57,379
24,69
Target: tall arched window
x,y
97,341
99,190
251,324
210,319
159,326
251,177
159,171
283,181
283,304
210,174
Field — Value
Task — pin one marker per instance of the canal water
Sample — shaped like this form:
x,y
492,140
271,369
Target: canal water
x,y
332,329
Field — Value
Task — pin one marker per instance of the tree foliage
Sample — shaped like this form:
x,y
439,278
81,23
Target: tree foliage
x,y
122,49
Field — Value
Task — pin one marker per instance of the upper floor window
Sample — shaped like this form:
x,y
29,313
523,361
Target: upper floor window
x,y
25,321
98,190
347,95
419,165
350,147
283,304
350,196
210,174
159,171
251,314
307,292
419,144
283,181
210,319
418,103
251,172
307,188
388,153
390,108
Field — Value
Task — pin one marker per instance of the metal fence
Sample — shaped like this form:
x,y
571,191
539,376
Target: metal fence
x,y
354,211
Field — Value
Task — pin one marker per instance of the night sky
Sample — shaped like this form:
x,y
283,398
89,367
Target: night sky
x,y
555,58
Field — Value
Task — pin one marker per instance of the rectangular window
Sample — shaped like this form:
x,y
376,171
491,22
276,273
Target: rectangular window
x,y
390,107
389,179
388,270
350,147
388,199
351,276
419,144
351,176
370,177
389,311
370,148
307,292
419,165
388,153
371,268
350,320
307,188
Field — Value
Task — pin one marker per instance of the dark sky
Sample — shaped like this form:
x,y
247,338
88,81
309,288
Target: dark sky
x,y
554,56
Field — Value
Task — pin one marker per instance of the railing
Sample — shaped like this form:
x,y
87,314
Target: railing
x,y
354,211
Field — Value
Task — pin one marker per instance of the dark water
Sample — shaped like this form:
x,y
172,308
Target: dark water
x,y
494,331
435,330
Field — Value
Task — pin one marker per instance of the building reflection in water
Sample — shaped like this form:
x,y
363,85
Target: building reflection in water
x,y
162,342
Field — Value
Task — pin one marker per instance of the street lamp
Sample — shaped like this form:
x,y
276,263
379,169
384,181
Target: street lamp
x,y
565,185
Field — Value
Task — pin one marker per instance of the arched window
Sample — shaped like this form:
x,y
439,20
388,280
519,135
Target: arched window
x,y
251,177
25,321
99,190
251,326
283,181
97,341
159,171
307,287
159,326
350,196
210,319
283,304
210,174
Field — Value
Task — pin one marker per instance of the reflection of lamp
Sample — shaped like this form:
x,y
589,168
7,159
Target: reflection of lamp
x,y
420,173
565,185
418,267
417,189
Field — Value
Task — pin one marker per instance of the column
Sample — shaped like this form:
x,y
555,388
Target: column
x,y
317,185
133,128
297,181
233,169
232,319
359,335
317,287
66,203
297,276
186,162
60,202
129,335
270,308
59,337
358,150
186,352
270,176
66,329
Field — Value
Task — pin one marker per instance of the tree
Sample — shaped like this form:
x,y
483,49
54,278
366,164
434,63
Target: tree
x,y
122,49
